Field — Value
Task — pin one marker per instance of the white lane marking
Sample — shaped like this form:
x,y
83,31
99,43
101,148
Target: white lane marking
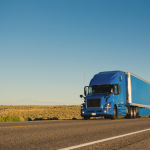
x,y
103,140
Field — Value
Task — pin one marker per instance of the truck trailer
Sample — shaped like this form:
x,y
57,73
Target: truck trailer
x,y
116,93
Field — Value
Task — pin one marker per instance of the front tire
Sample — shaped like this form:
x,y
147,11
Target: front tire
x,y
114,113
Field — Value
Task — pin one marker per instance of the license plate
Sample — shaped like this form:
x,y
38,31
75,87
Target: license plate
x,y
93,114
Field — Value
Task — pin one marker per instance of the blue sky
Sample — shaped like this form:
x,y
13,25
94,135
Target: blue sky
x,y
47,46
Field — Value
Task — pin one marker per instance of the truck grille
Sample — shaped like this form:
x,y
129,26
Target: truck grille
x,y
91,103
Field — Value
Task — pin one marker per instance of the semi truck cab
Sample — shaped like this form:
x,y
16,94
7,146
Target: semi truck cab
x,y
105,96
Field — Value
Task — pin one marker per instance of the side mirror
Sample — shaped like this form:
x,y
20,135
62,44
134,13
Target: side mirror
x,y
119,89
81,96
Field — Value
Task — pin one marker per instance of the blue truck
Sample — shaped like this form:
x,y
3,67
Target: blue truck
x,y
116,93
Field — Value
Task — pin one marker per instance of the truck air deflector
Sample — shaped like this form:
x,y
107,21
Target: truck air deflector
x,y
94,103
105,78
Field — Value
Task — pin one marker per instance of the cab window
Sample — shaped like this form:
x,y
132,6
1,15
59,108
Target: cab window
x,y
117,89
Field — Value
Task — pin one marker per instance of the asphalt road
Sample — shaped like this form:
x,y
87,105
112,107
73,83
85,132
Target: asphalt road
x,y
59,134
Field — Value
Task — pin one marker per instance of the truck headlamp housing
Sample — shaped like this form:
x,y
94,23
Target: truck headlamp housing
x,y
108,106
81,106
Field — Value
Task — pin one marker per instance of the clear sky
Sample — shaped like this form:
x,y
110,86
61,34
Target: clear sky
x,y
47,46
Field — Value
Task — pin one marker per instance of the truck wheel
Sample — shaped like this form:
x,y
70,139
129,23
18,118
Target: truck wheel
x,y
127,113
134,112
114,113
130,112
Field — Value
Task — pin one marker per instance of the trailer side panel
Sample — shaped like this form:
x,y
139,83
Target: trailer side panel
x,y
140,91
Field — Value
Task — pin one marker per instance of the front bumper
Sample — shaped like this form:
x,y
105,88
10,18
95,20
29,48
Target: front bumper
x,y
96,112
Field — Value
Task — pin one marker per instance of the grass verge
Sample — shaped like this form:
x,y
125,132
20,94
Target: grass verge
x,y
10,119
38,112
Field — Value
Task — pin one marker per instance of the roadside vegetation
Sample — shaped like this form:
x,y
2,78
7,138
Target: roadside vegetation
x,y
38,112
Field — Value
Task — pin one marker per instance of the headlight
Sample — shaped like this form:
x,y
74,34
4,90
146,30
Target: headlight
x,y
108,106
81,106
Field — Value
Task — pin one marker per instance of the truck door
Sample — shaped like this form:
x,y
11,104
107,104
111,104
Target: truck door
x,y
120,99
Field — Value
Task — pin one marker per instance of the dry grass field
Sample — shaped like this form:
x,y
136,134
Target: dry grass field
x,y
39,112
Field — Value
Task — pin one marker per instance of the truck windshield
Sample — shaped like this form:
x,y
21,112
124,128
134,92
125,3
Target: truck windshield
x,y
101,89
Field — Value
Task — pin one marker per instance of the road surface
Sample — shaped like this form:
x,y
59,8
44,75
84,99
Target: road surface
x,y
60,134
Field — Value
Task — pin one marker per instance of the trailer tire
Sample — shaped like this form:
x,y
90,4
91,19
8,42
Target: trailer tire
x,y
114,113
130,112
134,112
